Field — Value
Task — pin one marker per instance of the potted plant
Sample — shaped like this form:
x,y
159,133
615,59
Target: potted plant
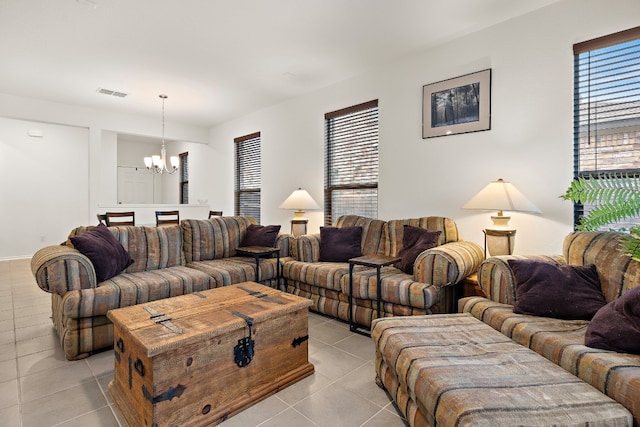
x,y
617,197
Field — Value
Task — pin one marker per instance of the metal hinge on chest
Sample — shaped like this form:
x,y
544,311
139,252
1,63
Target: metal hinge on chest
x,y
163,319
244,350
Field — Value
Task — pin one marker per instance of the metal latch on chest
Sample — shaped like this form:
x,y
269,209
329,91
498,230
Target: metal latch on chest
x,y
243,352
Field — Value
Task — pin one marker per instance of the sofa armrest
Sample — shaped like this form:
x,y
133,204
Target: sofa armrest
x,y
306,248
448,264
496,279
59,269
284,242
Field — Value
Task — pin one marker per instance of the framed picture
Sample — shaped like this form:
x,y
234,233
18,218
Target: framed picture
x,y
458,105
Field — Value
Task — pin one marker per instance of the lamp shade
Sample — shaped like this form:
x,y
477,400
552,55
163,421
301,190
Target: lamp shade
x,y
500,196
300,200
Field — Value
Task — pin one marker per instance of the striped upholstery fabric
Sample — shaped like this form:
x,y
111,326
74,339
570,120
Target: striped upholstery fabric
x,y
59,269
151,248
496,279
374,232
396,287
617,273
448,264
128,289
453,370
402,294
306,248
227,271
79,304
215,238
447,226
328,275
81,313
562,341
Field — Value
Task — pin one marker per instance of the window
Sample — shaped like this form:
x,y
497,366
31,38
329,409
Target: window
x,y
607,109
247,188
351,162
184,178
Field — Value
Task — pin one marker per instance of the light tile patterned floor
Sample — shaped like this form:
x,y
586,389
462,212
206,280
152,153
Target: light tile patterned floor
x,y
39,387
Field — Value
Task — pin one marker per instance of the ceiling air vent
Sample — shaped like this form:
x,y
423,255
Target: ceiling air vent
x,y
111,92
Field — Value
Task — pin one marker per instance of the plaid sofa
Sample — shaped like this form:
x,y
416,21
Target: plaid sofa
x,y
431,288
168,261
562,341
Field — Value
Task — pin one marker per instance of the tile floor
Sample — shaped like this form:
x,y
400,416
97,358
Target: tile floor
x,y
39,387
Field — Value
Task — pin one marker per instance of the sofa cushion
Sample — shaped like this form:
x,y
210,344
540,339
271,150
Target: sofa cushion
x,y
616,326
618,273
414,241
447,226
128,289
105,252
260,235
559,291
374,233
340,244
214,238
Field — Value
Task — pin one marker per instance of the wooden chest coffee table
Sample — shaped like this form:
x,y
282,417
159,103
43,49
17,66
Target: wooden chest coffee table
x,y
197,359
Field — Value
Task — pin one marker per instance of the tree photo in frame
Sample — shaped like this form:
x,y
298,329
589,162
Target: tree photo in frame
x,y
458,105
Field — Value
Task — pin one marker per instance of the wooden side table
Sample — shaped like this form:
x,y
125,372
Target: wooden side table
x,y
258,252
377,261
470,287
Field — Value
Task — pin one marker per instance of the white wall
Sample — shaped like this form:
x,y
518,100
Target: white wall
x,y
42,196
50,185
530,142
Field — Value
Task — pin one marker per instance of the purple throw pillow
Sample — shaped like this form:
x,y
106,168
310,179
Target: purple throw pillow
x,y
340,244
559,291
616,326
107,255
260,235
415,240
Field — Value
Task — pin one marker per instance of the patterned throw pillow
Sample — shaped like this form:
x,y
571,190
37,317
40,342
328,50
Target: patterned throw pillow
x,y
107,255
559,291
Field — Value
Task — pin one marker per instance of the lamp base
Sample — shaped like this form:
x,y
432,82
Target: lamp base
x,y
299,226
499,242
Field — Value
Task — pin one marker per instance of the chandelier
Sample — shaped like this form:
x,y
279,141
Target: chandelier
x,y
158,164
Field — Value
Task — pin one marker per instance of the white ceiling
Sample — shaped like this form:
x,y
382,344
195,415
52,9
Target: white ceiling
x,y
217,59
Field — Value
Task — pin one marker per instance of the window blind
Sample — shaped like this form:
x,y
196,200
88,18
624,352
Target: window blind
x,y
248,176
184,178
606,107
351,162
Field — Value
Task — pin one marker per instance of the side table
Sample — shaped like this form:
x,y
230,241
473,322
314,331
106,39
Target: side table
x,y
377,261
258,252
470,287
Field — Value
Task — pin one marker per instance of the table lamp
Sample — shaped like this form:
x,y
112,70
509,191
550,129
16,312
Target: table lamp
x,y
500,195
299,200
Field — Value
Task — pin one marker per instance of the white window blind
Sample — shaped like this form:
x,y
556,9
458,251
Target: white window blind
x,y
351,162
607,108
248,176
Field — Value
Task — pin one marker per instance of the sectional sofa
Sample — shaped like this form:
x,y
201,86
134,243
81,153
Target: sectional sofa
x,y
168,261
610,363
201,254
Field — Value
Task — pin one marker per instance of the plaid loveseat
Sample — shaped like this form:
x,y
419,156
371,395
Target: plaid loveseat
x,y
562,341
168,261
430,289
